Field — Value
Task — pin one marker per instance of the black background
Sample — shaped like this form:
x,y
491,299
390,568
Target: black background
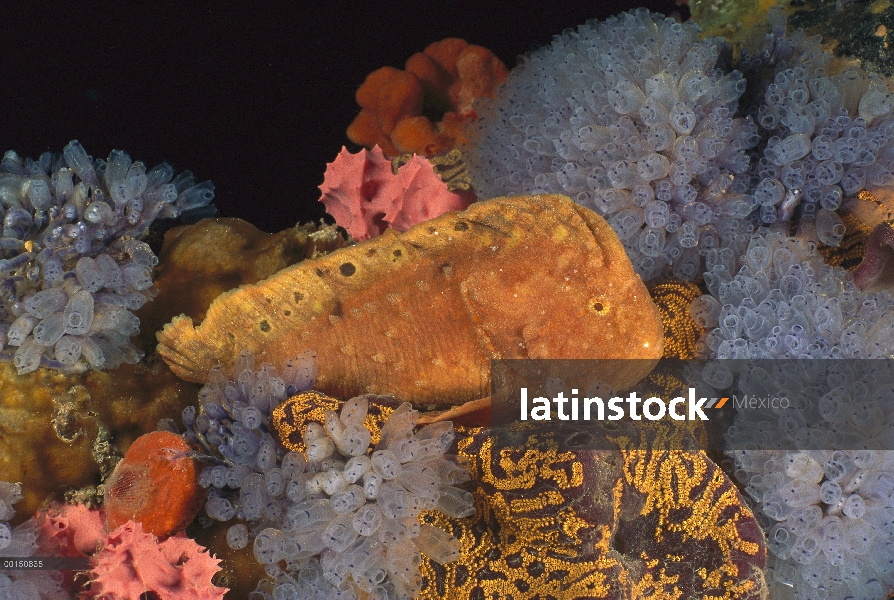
x,y
254,96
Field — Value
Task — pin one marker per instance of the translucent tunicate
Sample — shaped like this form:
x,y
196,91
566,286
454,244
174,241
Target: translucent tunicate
x,y
681,118
28,357
437,544
49,330
367,519
793,147
196,196
349,499
356,467
653,166
20,329
111,272
705,310
651,241
854,506
354,441
46,302
340,533
89,274
320,449
80,162
268,546
98,212
68,350
627,221
136,275
829,227
220,509
769,192
385,463
78,313
455,502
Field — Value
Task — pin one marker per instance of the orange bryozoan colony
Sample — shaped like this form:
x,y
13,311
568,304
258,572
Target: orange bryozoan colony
x,y
443,80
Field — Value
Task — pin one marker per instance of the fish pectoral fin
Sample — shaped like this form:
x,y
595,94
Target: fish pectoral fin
x,y
477,316
472,413
179,346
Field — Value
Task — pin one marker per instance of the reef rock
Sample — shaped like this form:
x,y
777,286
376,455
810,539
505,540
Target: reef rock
x,y
624,522
419,315
63,433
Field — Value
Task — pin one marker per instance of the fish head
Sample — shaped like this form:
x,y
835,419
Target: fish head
x,y
568,292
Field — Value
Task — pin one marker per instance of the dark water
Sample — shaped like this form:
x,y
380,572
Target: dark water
x,y
255,97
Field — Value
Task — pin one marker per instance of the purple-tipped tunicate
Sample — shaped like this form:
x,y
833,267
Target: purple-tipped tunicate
x,y
72,265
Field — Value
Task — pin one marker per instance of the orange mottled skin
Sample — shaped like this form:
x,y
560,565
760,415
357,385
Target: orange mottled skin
x,y
420,314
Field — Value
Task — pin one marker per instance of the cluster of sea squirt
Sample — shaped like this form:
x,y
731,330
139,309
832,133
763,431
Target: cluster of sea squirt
x,y
340,513
72,266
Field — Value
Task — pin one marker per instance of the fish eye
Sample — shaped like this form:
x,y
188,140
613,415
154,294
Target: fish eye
x,y
598,305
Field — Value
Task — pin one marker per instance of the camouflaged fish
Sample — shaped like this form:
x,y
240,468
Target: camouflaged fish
x,y
420,314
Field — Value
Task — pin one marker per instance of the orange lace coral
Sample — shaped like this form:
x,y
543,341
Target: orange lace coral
x,y
444,81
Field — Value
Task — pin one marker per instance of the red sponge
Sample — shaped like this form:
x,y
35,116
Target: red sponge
x,y
365,196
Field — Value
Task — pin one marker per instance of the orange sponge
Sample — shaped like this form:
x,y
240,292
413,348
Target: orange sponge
x,y
397,107
156,484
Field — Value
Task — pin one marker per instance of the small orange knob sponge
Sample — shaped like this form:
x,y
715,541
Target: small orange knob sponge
x,y
156,484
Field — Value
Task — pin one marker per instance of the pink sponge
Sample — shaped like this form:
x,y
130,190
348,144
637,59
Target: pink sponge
x,y
127,562
71,530
365,196
134,562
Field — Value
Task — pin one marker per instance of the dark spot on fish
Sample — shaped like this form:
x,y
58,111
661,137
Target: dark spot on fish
x,y
598,306
299,297
433,230
347,269
287,313
371,252
461,227
265,326
269,300
398,253
232,337
320,272
337,310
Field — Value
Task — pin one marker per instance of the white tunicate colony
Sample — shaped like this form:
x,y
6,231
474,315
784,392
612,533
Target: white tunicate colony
x,y
828,515
776,298
819,470
341,517
72,268
632,118
21,542
828,136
